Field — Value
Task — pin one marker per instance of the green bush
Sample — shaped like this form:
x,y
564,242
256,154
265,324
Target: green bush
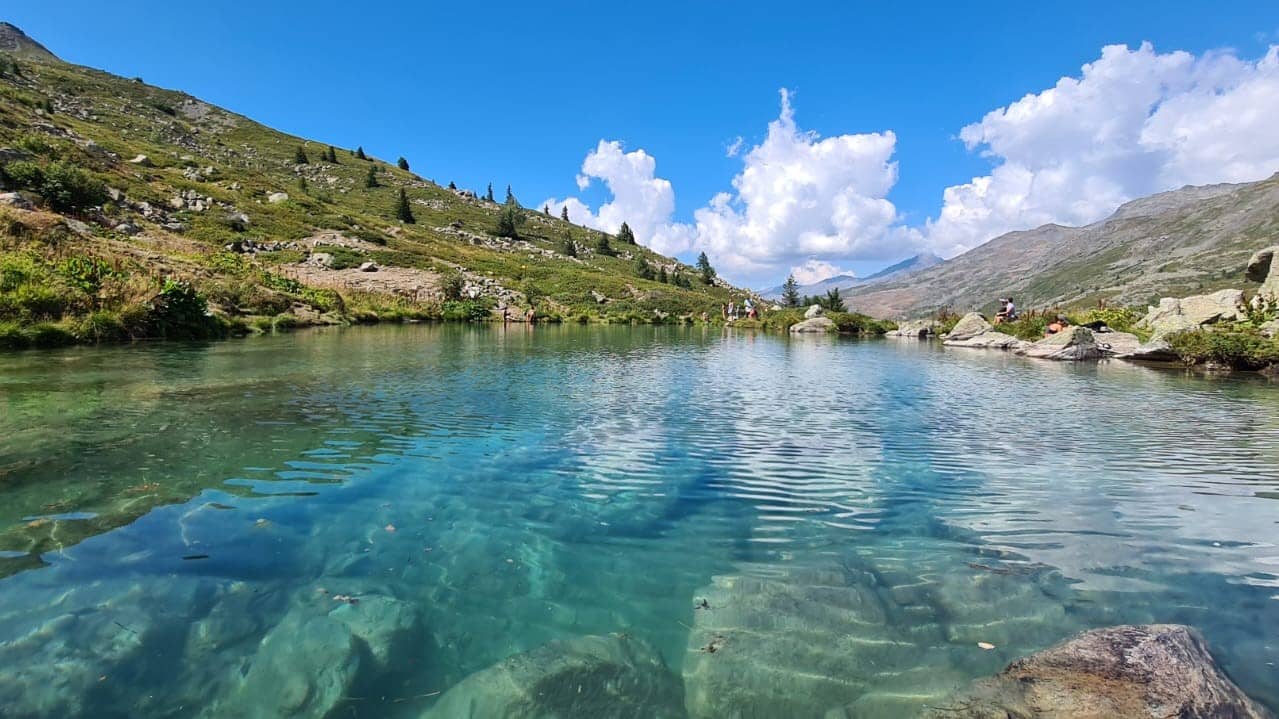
x,y
179,312
101,326
466,310
1237,349
451,285
65,188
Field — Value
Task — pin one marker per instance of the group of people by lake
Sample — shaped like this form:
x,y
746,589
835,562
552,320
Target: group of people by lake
x,y
732,311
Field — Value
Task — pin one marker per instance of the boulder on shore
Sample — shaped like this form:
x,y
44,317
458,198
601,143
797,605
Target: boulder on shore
x,y
915,328
1174,315
1071,344
1154,670
991,340
1262,268
816,325
813,311
969,326
594,676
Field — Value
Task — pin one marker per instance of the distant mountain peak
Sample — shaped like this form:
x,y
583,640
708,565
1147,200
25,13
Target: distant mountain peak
x,y
16,42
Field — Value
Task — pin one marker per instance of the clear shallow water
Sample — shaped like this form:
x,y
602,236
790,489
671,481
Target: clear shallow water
x,y
857,516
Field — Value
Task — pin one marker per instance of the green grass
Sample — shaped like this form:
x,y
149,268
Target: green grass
x,y
238,164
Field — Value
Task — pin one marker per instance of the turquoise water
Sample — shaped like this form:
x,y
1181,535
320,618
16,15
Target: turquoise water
x,y
352,522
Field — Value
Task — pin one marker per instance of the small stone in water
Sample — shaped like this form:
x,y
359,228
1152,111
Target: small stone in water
x,y
986,645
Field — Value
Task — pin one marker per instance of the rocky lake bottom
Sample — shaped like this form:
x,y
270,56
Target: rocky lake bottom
x,y
450,521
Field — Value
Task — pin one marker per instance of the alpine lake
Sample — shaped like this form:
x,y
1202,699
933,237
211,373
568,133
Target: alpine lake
x,y
437,520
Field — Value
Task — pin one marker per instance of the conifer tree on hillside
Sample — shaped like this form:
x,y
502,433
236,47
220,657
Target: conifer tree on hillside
x,y
509,221
371,179
602,246
833,302
704,267
624,234
402,210
302,183
790,292
489,196
564,213
359,153
403,164
452,186
510,197
642,269
661,274
299,157
333,155
546,210
569,248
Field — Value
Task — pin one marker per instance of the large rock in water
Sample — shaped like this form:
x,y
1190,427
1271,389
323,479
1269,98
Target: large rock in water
x,y
815,325
969,326
915,328
1155,670
1071,344
595,676
1262,268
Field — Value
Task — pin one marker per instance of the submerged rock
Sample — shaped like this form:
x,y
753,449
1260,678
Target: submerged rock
x,y
594,676
1071,344
816,325
1155,670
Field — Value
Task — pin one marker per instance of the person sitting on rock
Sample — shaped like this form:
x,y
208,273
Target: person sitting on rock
x,y
1008,313
1057,325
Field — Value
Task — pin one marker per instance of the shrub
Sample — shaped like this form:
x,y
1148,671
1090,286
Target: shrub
x,y
179,312
509,221
1237,349
452,285
466,310
65,188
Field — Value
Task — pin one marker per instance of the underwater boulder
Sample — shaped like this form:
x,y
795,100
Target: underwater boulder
x,y
592,676
1154,670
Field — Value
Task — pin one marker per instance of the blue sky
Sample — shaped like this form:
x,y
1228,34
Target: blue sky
x,y
519,93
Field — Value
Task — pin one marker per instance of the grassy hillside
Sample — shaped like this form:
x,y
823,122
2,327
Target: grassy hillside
x,y
138,205
1188,241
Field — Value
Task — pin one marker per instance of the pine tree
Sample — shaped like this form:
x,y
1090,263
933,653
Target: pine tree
x,y
564,213
510,198
333,155
661,275
299,157
302,184
509,221
546,210
402,210
452,186
489,196
624,234
704,267
602,246
833,302
371,179
403,164
642,269
359,153
790,292
569,248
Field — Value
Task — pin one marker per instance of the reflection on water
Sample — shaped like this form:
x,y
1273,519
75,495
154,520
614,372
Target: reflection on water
x,y
360,519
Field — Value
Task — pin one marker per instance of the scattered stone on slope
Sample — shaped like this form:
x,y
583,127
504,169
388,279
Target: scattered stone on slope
x,y
142,160
592,676
813,311
816,325
969,326
13,199
1157,670
1071,344
276,198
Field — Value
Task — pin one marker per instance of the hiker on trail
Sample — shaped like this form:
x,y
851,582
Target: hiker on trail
x,y
1057,325
1008,313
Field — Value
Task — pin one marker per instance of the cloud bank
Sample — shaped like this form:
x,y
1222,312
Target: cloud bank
x,y
1133,122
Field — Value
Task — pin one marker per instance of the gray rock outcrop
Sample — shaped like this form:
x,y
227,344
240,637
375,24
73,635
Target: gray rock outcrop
x,y
969,326
593,676
13,199
1071,344
1262,268
1156,670
974,331
816,325
813,311
1174,315
915,328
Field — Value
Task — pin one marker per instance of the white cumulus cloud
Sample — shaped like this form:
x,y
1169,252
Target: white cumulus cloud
x,y
1134,122
815,271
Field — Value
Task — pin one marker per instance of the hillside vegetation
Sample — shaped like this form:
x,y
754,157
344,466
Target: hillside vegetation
x,y
137,212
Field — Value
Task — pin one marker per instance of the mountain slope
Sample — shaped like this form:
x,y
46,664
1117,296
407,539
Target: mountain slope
x,y
844,283
132,184
1176,243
